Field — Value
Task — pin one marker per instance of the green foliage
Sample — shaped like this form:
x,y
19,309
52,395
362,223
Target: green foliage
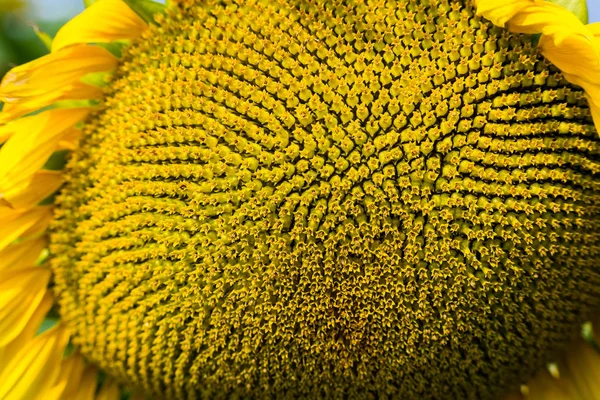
x,y
146,9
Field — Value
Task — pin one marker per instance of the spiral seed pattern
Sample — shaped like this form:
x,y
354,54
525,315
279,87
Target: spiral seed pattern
x,y
325,199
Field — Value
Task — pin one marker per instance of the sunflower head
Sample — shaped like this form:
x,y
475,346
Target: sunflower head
x,y
305,199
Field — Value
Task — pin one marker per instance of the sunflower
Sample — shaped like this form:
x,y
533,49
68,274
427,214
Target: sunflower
x,y
304,199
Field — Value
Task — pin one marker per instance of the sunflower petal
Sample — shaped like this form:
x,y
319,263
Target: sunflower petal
x,y
499,12
21,292
87,386
566,42
34,140
583,361
42,82
594,28
34,368
549,19
118,22
68,379
545,387
72,374
42,185
109,391
69,141
17,223
28,333
21,255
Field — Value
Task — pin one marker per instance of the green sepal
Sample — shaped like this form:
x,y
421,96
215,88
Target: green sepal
x,y
47,324
577,7
115,48
43,36
146,9
56,161
88,3
99,79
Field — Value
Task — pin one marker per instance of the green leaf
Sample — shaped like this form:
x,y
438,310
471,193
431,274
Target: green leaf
x,y
146,9
577,7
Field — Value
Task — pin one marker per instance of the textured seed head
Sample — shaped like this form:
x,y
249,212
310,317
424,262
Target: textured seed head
x,y
321,199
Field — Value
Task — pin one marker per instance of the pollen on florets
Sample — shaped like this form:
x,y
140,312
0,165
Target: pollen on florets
x,y
313,199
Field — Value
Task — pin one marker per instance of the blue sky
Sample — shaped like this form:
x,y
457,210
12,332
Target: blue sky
x,y
58,9
594,8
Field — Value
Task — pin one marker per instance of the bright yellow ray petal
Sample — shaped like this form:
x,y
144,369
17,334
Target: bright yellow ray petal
x,y
54,77
545,387
39,228
109,391
15,223
594,28
35,367
42,185
69,140
104,21
71,369
21,255
72,377
53,71
76,91
549,19
566,42
34,140
21,292
576,56
499,12
87,385
8,352
584,363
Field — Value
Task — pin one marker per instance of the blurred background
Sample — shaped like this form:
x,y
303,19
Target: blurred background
x,y
19,43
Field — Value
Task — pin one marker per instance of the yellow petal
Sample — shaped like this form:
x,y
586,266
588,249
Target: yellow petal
x,y
21,292
34,140
53,71
549,19
30,330
102,22
34,368
54,77
576,56
21,255
69,140
73,377
583,362
17,223
513,396
109,391
594,28
42,185
546,387
68,379
499,12
87,386
566,42
77,91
